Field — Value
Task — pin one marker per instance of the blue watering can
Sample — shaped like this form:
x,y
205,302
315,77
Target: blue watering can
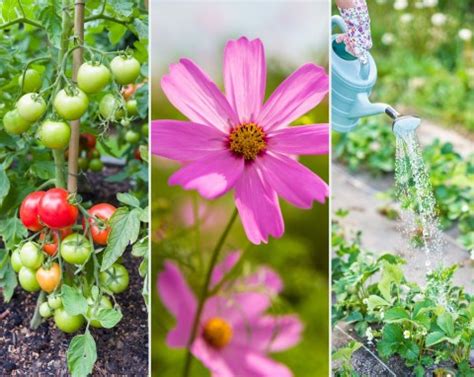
x,y
352,84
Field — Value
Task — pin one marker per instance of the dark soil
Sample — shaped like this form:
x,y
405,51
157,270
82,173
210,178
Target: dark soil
x,y
122,351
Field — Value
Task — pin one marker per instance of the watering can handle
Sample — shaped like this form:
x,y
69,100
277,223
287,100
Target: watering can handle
x,y
338,21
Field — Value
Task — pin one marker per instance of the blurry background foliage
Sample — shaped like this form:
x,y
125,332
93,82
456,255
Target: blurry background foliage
x,y
300,256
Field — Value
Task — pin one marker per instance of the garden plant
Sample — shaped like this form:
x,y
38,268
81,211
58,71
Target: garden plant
x,y
73,164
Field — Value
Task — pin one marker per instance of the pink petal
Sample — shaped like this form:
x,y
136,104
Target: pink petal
x,y
265,279
295,96
211,358
312,139
212,175
191,91
245,362
293,181
269,334
180,301
184,141
224,267
258,207
245,76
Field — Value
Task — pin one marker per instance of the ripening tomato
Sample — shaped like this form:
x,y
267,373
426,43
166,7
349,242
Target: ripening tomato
x,y
76,249
54,301
115,278
31,255
99,222
15,261
45,310
132,136
31,107
110,107
145,130
83,163
87,141
32,81
29,211
132,107
14,124
137,154
66,322
96,165
71,104
55,211
50,240
92,77
54,135
27,279
125,69
49,278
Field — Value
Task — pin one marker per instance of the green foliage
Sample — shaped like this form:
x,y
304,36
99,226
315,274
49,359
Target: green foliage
x,y
425,326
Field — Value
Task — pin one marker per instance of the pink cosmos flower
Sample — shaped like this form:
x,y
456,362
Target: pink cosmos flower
x,y
234,334
235,141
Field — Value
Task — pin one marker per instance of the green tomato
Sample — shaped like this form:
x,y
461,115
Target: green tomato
x,y
31,107
96,165
132,137
92,78
115,278
132,108
14,124
76,249
27,278
45,310
54,301
32,81
83,163
31,255
66,322
110,107
15,261
124,69
92,310
145,130
71,106
54,135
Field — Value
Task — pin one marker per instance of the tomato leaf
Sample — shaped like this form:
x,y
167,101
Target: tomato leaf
x,y
125,226
8,280
108,318
12,232
73,300
82,355
4,184
128,199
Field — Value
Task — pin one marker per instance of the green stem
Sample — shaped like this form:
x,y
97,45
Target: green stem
x,y
58,155
205,292
36,320
21,20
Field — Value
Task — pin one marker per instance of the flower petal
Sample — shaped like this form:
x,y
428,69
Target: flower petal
x,y
269,334
180,301
212,176
184,141
211,358
258,207
191,91
295,96
224,267
244,361
292,181
245,77
266,280
300,140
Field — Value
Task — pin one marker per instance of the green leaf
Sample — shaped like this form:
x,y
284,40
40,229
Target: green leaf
x,y
396,314
82,355
435,338
4,184
125,226
108,318
73,300
8,280
375,302
12,232
50,19
128,199
140,249
116,32
391,274
43,169
446,323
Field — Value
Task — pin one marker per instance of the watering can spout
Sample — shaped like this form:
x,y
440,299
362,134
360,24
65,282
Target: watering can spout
x,y
363,107
405,125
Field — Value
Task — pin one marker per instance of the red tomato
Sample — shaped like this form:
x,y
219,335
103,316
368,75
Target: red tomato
x,y
49,278
55,211
88,141
29,211
137,155
50,245
100,229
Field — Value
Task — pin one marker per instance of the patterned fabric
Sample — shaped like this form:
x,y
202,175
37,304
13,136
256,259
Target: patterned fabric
x,y
357,38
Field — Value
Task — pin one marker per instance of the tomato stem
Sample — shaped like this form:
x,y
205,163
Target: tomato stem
x,y
58,155
37,319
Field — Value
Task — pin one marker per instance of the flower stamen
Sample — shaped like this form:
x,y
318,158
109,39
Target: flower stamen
x,y
247,140
217,332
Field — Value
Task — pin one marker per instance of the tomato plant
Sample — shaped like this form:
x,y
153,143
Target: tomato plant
x,y
62,116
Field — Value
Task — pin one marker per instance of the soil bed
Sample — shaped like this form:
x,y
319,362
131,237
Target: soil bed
x,y
122,350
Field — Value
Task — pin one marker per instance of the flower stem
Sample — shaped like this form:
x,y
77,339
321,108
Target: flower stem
x,y
205,292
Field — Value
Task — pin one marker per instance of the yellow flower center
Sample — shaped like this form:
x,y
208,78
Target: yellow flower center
x,y
217,332
247,140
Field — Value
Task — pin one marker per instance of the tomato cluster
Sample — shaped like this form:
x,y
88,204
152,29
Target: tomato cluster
x,y
53,217
89,155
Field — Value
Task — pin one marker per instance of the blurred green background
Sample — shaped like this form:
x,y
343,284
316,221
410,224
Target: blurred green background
x,y
301,255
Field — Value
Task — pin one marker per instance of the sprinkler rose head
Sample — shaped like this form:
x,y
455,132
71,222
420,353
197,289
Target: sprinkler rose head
x,y
404,125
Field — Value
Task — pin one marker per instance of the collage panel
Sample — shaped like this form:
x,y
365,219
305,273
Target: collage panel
x,y
239,128
74,188
402,188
